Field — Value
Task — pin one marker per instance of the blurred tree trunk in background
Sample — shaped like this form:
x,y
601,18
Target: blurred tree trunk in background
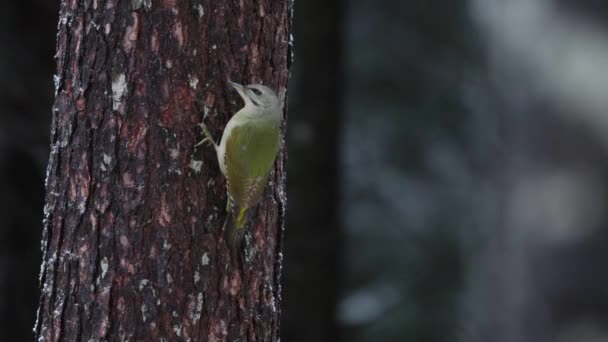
x,y
132,238
312,244
542,271
27,41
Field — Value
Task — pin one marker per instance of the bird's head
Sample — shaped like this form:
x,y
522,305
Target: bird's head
x,y
258,98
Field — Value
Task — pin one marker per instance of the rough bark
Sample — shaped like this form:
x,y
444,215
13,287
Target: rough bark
x,y
132,241
313,247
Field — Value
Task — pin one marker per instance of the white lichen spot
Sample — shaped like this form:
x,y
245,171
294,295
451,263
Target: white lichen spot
x,y
205,259
104,267
81,207
196,165
107,159
135,5
178,33
193,81
57,82
174,153
169,64
144,309
62,21
131,33
178,329
124,241
197,277
119,89
210,219
143,283
214,47
199,307
93,24
206,110
148,4
169,278
249,253
166,245
194,52
210,183
201,11
273,304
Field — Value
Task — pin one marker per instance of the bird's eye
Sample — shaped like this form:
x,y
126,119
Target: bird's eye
x,y
256,91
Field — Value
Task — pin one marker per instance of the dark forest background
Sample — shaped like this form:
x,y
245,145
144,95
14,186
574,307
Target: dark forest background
x,y
447,170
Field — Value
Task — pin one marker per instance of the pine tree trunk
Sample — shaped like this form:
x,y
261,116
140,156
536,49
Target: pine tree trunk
x,y
132,242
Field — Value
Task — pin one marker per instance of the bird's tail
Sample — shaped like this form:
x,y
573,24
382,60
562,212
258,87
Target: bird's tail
x,y
234,230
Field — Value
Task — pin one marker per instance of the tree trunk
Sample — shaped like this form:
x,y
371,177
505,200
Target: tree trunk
x,y
132,241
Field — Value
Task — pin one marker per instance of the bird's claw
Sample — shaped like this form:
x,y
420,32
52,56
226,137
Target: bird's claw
x,y
208,138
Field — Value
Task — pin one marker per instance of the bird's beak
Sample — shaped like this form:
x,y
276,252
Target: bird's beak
x,y
238,88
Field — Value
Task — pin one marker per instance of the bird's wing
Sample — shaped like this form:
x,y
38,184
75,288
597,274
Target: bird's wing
x,y
250,152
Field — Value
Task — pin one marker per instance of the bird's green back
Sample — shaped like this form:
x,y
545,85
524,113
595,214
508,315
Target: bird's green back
x,y
251,150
